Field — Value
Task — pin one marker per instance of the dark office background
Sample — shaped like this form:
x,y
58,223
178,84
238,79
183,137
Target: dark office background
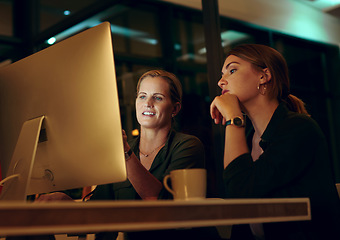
x,y
154,34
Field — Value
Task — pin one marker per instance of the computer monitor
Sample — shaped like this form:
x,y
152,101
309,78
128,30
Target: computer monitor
x,y
60,125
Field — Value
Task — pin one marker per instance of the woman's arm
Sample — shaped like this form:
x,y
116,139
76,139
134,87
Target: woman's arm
x,y
222,109
145,184
184,151
291,153
56,196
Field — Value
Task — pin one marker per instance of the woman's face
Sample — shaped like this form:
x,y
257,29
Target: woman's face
x,y
154,107
239,78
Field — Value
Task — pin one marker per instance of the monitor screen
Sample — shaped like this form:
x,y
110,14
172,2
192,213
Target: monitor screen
x,y
63,102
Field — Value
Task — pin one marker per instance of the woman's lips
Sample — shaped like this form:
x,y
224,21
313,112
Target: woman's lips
x,y
224,91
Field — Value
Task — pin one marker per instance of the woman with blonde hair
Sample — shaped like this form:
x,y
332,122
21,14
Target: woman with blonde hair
x,y
158,150
151,156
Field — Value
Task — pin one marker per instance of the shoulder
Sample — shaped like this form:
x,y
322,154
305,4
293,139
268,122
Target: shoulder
x,y
300,127
300,122
185,151
184,143
183,138
293,128
286,121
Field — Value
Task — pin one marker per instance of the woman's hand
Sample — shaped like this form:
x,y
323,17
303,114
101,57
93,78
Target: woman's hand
x,y
126,145
225,107
56,196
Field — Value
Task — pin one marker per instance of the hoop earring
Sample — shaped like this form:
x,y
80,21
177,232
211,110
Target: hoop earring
x,y
262,88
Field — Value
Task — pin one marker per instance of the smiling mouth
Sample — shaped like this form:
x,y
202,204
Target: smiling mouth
x,y
224,91
148,113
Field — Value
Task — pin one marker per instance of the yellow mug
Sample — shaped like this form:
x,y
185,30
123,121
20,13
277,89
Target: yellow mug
x,y
187,184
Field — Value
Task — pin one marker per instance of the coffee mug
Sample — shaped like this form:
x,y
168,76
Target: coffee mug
x,y
187,184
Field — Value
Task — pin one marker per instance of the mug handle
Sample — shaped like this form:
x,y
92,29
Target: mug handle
x,y
165,182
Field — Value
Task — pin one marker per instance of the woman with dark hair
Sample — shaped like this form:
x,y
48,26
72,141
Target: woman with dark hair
x,y
285,154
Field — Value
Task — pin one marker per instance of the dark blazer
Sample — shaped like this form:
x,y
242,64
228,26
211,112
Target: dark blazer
x,y
295,163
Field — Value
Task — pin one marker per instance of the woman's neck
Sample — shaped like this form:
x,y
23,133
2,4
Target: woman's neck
x,y
260,114
151,138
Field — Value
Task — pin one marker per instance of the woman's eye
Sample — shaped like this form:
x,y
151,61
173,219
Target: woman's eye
x,y
142,97
232,71
158,98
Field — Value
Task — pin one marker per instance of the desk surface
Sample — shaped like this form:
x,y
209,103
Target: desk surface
x,y
90,217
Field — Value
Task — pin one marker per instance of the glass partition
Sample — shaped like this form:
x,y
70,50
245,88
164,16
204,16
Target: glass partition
x,y
6,25
53,12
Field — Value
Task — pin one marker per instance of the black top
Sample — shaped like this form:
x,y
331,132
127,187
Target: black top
x,y
295,163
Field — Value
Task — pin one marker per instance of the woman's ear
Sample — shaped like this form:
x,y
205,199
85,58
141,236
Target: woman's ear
x,y
176,109
266,76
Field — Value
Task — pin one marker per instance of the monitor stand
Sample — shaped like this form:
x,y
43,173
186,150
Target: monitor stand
x,y
18,177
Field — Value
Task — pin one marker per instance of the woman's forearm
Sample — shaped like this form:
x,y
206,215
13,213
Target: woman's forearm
x,y
146,185
235,143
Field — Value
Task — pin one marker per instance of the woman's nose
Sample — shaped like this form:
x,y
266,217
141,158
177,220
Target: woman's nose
x,y
222,82
149,102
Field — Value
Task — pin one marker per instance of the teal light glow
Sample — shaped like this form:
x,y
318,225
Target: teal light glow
x,y
331,2
177,46
322,4
134,34
67,12
51,40
229,37
71,31
303,27
138,35
95,20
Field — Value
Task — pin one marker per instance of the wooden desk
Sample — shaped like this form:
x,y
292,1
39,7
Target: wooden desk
x,y
70,217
